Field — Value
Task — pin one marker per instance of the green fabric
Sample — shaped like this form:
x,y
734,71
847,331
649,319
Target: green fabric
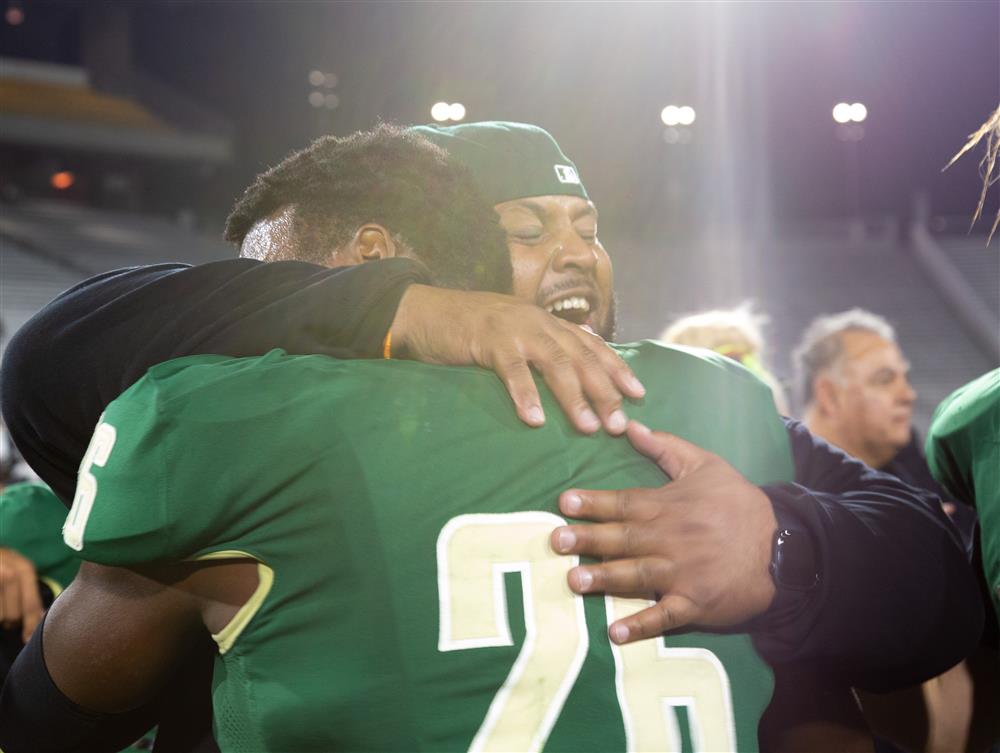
x,y
509,160
31,519
342,476
963,452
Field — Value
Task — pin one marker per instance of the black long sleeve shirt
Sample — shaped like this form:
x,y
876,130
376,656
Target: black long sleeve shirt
x,y
896,604
99,337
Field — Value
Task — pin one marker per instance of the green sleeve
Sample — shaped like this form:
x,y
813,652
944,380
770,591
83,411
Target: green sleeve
x,y
117,517
184,462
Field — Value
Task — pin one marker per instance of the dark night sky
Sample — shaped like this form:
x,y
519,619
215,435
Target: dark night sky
x,y
597,75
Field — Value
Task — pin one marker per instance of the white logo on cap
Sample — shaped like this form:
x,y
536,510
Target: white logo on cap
x,y
567,174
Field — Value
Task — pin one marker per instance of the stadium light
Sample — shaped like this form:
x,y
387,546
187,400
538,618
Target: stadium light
x,y
674,115
441,111
330,101
316,98
845,113
316,78
62,180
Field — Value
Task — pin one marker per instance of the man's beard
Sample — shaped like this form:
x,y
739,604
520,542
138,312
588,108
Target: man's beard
x,y
609,328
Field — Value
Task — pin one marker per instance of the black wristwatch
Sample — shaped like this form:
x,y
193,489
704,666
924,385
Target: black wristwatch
x,y
793,561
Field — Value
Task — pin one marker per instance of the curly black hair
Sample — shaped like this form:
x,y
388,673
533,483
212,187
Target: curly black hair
x,y
392,177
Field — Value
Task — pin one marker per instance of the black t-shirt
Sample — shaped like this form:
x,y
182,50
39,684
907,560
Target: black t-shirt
x,y
96,339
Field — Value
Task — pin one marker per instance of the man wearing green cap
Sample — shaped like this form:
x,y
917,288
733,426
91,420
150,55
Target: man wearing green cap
x,y
544,208
562,266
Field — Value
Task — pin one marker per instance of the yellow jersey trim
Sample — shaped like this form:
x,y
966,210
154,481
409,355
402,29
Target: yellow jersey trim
x,y
226,637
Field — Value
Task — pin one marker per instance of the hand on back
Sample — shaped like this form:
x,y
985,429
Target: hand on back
x,y
508,336
700,546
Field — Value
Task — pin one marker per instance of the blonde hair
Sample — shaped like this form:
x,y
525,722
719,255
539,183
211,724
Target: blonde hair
x,y
736,333
718,328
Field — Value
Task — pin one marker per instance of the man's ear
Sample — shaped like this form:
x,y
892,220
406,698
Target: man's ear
x,y
372,242
826,394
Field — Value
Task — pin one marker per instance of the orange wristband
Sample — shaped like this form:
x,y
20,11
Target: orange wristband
x,y
387,346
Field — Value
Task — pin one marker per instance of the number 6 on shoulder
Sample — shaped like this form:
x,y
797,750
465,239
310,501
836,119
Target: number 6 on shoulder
x,y
97,454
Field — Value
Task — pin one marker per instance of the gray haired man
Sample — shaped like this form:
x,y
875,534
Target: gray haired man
x,y
854,384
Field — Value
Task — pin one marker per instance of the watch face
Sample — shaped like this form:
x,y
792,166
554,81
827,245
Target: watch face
x,y
794,563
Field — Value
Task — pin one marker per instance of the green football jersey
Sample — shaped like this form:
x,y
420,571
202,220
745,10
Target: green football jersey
x,y
400,515
963,452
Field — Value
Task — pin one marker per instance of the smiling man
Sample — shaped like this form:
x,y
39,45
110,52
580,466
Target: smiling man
x,y
551,224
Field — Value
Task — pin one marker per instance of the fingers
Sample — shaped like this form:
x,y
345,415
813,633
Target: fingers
x,y
606,540
499,332
675,456
31,603
587,378
669,613
622,376
604,375
612,505
10,591
516,376
558,368
19,598
627,577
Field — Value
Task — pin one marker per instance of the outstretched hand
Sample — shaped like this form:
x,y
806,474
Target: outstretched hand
x,y
508,336
700,546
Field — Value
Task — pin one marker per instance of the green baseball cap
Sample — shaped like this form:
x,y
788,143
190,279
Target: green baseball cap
x,y
508,160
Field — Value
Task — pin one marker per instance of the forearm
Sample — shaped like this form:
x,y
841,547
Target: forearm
x,y
36,717
88,345
118,645
238,307
897,601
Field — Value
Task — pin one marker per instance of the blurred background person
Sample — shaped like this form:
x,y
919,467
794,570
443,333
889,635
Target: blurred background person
x,y
736,333
963,450
855,391
35,564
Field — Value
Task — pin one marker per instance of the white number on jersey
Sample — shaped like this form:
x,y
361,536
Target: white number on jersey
x,y
97,454
473,554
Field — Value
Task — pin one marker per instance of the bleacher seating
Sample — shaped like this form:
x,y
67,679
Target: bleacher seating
x,y
978,264
48,246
